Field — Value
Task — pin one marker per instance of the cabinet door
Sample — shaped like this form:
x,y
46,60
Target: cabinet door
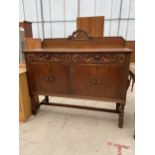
x,y
39,77
59,78
103,80
110,83
84,80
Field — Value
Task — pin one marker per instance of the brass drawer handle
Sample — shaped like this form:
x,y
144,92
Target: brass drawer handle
x,y
96,81
49,79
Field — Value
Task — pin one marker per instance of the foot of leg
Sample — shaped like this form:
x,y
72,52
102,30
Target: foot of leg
x,y
34,104
121,116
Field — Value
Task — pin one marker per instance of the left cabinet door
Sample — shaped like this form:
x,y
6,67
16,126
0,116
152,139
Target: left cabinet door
x,y
39,77
59,78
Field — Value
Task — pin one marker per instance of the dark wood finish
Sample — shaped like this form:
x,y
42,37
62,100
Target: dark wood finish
x,y
39,77
27,26
94,26
59,78
34,104
121,115
97,68
93,80
131,45
49,78
117,107
46,99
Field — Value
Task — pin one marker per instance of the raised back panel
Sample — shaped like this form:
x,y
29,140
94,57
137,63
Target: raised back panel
x,y
111,42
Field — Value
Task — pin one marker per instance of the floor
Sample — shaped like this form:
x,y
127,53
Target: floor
x,y
65,131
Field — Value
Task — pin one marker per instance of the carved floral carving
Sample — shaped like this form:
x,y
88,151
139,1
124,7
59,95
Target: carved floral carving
x,y
95,58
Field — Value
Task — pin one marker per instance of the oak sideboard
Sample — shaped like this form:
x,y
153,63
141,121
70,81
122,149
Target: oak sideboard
x,y
80,67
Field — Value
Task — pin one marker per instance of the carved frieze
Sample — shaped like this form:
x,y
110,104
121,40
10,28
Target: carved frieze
x,y
95,58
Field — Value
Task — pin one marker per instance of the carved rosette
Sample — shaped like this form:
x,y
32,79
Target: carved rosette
x,y
98,58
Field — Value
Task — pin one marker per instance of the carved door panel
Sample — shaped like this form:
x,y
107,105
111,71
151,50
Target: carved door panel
x,y
59,78
39,77
84,77
109,81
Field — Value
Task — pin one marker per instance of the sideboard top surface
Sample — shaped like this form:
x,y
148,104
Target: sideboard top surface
x,y
52,50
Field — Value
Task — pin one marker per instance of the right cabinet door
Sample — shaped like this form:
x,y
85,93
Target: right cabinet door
x,y
102,80
83,82
110,81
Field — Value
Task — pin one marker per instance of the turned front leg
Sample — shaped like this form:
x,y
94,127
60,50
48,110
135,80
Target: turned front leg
x,y
46,99
121,115
117,107
35,104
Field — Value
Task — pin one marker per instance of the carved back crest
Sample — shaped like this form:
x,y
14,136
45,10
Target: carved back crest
x,y
79,35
